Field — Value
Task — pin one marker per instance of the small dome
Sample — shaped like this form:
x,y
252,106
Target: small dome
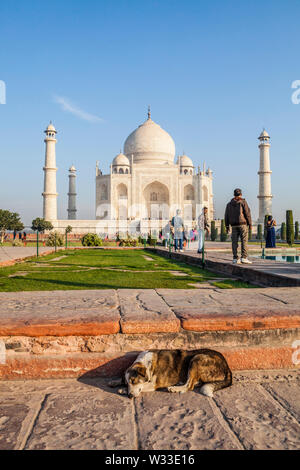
x,y
149,143
184,160
120,159
72,168
264,134
51,127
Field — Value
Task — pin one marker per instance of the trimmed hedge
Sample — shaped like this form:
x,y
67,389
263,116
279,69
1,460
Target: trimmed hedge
x,y
290,235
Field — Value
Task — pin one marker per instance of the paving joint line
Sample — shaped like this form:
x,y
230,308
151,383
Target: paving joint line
x,y
34,420
136,426
225,424
278,401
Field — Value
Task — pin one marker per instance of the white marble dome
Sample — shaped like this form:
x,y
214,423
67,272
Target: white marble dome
x,y
184,160
120,159
149,143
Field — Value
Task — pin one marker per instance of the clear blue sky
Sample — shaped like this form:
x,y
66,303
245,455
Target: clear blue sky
x,y
214,72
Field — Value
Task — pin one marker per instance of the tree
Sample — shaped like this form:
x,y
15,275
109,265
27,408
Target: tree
x,y
259,232
296,230
283,231
69,229
223,231
40,225
9,221
290,227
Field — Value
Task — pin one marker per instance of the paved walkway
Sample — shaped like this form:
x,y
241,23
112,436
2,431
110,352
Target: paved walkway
x,y
12,253
260,411
263,272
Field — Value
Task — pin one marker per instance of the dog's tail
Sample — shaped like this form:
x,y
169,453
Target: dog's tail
x,y
209,388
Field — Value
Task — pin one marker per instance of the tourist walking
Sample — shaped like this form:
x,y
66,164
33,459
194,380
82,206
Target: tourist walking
x,y
177,224
271,235
203,227
238,216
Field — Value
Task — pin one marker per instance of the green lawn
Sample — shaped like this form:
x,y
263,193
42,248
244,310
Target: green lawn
x,y
106,269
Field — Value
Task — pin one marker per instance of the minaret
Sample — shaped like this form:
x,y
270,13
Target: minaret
x,y
265,195
50,194
72,194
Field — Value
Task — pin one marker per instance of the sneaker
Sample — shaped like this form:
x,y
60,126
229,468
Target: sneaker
x,y
181,251
246,261
236,261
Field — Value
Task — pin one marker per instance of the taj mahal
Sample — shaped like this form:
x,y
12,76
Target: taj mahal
x,y
145,185
143,190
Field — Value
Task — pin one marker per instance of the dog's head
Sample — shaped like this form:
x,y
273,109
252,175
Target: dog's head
x,y
136,376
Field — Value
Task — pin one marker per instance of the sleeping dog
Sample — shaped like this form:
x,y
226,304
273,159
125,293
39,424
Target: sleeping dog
x,y
176,370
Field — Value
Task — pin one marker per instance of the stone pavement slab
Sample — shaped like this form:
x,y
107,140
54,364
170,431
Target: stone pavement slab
x,y
144,311
86,414
257,419
59,313
171,421
17,414
287,394
90,420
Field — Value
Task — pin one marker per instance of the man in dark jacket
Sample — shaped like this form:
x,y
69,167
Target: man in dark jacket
x,y
238,215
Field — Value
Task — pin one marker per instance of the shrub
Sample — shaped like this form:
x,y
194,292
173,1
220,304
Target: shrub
x,y
283,231
296,230
289,227
223,231
55,238
152,241
213,231
91,239
259,232
17,243
128,242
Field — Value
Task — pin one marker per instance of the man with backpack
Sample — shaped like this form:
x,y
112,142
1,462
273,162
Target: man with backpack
x,y
238,216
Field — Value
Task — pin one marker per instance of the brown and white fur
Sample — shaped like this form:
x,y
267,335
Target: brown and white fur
x,y
178,371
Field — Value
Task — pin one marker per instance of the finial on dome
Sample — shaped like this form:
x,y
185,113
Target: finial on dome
x,y
149,112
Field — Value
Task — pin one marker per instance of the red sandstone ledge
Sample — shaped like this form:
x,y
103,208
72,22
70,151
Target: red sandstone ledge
x,y
105,365
106,323
150,326
246,319
108,327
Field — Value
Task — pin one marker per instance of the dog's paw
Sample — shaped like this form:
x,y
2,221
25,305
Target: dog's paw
x,y
122,391
177,389
207,390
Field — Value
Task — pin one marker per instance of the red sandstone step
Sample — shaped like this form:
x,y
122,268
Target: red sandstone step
x,y
226,318
144,311
26,366
59,313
